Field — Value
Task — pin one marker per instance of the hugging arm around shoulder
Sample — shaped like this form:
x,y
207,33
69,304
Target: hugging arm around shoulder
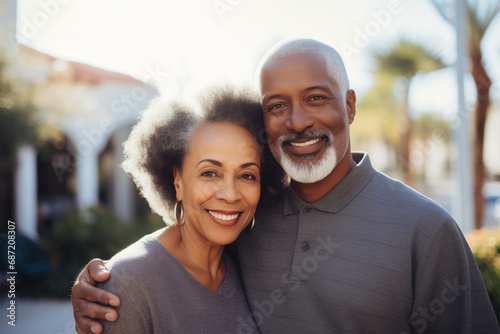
x,y
138,275
134,314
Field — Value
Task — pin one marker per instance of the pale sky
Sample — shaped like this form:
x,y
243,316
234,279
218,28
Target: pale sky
x,y
180,43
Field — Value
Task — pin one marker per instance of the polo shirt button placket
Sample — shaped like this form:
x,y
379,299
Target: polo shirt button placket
x,y
304,246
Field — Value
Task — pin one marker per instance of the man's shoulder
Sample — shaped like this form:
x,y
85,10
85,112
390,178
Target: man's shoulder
x,y
387,187
394,198
394,188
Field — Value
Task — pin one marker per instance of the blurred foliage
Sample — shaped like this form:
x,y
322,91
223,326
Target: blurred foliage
x,y
77,238
485,244
376,114
490,270
406,59
398,65
380,105
25,118
428,125
18,125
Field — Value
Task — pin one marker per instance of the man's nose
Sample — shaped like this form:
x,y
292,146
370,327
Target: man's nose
x,y
298,119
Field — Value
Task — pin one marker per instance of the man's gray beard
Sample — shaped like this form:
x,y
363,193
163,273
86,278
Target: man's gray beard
x,y
307,172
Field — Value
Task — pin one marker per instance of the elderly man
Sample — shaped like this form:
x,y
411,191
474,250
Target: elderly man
x,y
347,249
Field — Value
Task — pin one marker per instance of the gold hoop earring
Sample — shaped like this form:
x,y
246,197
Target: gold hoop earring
x,y
177,218
253,223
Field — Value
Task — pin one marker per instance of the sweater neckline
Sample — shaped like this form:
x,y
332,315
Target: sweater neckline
x,y
226,288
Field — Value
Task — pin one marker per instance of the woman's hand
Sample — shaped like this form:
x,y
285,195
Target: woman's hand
x,y
85,298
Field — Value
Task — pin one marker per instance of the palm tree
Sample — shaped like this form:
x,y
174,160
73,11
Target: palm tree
x,y
480,14
403,62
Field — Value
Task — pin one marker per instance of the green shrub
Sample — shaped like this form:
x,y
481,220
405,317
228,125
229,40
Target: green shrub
x,y
489,265
485,244
75,239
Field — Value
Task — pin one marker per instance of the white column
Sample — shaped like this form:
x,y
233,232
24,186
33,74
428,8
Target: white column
x,y
123,186
25,188
87,176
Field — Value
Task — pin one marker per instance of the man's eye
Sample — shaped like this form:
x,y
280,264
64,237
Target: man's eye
x,y
316,98
275,106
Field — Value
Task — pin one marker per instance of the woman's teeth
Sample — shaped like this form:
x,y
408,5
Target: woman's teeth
x,y
223,216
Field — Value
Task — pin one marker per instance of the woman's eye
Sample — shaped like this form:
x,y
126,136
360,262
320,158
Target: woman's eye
x,y
209,174
248,177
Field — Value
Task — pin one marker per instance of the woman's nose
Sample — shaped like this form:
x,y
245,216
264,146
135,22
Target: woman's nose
x,y
229,191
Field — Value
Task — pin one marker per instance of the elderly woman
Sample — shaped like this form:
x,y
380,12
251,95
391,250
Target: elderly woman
x,y
204,175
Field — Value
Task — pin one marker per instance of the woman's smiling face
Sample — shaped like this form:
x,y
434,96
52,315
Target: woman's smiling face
x,y
219,184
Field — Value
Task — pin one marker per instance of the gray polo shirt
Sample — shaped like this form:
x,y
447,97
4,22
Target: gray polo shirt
x,y
371,256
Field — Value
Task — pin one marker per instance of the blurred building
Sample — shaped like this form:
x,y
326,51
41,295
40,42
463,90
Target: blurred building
x,y
87,114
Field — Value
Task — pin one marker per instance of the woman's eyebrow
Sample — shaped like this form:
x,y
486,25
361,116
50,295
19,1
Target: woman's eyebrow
x,y
215,162
218,163
248,164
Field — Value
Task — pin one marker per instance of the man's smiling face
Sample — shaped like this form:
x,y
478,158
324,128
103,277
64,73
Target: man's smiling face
x,y
306,116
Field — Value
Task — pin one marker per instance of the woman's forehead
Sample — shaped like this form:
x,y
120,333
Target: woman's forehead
x,y
225,141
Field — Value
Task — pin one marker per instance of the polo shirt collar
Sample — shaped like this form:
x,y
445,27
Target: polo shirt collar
x,y
340,195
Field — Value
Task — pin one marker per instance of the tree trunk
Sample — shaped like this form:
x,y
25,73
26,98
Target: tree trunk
x,y
405,148
483,84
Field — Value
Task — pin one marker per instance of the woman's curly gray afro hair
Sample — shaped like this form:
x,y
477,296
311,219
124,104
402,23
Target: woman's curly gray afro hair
x,y
161,138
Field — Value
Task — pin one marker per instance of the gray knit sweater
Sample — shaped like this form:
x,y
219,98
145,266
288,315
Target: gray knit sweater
x,y
159,296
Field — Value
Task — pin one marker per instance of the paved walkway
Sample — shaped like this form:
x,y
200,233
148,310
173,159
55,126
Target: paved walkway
x,y
38,317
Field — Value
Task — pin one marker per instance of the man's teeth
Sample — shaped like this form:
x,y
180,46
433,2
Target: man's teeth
x,y
307,143
222,216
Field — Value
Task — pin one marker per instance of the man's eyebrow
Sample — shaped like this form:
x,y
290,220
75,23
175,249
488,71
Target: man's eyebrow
x,y
215,162
308,89
274,96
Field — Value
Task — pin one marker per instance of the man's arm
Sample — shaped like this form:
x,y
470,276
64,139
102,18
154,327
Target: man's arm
x,y
85,298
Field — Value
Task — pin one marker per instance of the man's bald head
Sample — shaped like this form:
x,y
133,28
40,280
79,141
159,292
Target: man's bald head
x,y
334,64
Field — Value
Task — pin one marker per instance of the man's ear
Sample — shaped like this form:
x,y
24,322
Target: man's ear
x,y
351,105
178,184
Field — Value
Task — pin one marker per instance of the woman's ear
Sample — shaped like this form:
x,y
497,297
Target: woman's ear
x,y
178,184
